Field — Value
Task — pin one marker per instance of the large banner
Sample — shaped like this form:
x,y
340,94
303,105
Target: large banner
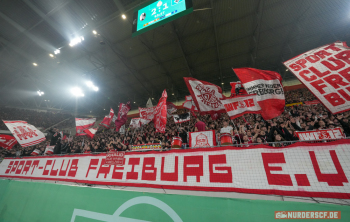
x,y
25,134
328,134
202,139
313,170
325,72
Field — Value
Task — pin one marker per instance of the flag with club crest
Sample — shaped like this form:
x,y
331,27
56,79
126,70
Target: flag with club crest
x,y
122,115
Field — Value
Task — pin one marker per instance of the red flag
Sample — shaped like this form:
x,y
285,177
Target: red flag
x,y
7,142
90,132
64,137
106,122
240,105
237,89
25,134
83,124
206,96
35,152
160,117
268,87
122,115
189,104
215,116
49,150
135,123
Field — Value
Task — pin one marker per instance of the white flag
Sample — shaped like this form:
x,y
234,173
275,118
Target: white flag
x,y
83,124
182,118
25,134
149,103
240,105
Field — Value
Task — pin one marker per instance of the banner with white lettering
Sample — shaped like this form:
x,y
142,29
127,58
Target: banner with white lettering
x,y
25,134
311,170
325,72
240,105
327,134
202,139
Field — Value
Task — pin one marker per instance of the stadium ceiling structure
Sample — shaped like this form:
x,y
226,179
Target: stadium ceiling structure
x,y
219,35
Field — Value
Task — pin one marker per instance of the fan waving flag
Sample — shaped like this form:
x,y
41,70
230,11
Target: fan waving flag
x,y
83,124
160,117
25,134
36,152
135,123
90,132
267,85
189,104
7,142
185,117
170,108
106,122
206,96
240,105
147,114
122,115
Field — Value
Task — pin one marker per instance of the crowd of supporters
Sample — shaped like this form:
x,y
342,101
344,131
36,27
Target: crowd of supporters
x,y
246,130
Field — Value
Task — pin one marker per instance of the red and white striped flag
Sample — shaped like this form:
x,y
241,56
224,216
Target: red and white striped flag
x,y
267,85
49,150
106,122
25,134
35,152
83,124
7,141
91,132
240,105
206,96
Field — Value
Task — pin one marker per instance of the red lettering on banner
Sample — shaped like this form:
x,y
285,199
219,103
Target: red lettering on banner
x,y
35,164
302,180
318,73
307,78
339,64
234,105
332,47
19,169
323,54
48,163
53,172
312,58
63,172
193,166
345,73
73,168
104,169
345,94
228,107
9,167
116,174
345,56
14,167
27,166
224,177
170,176
301,62
133,175
332,179
275,179
334,99
318,84
149,172
92,166
335,80
295,67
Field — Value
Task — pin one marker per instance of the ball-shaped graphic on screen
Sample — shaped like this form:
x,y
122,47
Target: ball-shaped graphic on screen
x,y
142,16
159,3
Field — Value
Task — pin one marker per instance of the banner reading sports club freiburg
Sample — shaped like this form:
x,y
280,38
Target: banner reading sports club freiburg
x,y
25,134
240,105
308,170
205,95
7,142
325,72
83,124
267,85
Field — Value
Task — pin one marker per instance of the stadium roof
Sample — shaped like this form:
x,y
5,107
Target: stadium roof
x,y
206,44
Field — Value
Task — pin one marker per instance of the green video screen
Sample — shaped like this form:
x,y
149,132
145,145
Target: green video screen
x,y
159,12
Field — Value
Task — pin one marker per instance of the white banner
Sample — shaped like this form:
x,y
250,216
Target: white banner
x,y
25,134
325,72
83,124
240,105
314,170
327,134
202,139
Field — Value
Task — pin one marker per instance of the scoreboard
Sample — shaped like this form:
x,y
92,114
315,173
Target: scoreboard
x,y
157,13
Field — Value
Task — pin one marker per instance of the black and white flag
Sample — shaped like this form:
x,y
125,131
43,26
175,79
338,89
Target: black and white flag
x,y
185,117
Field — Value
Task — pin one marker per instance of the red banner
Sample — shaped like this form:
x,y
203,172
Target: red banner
x,y
7,142
106,122
325,72
115,158
303,169
122,115
160,116
328,134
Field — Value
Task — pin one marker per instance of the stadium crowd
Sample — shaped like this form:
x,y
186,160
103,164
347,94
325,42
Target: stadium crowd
x,y
245,130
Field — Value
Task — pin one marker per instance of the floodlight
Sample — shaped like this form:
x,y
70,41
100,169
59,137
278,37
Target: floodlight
x,y
57,51
76,40
34,64
76,91
40,93
222,83
89,84
123,16
95,88
51,55
94,31
287,70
